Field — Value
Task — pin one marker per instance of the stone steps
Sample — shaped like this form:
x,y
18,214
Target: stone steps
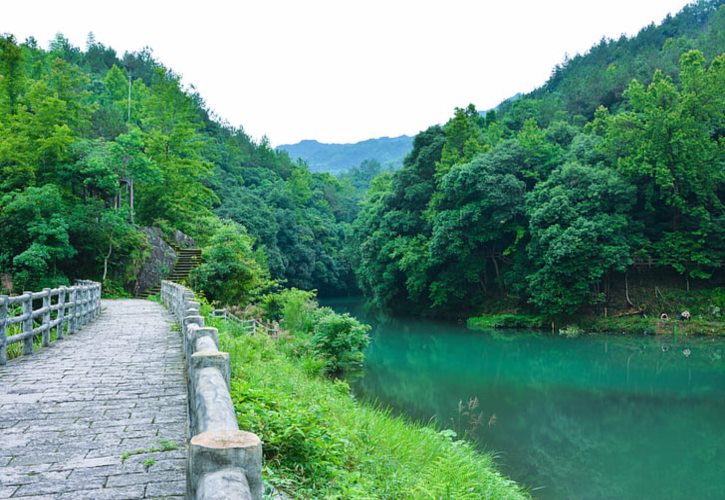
x,y
187,260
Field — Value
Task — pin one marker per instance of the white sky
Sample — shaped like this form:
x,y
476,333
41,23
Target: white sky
x,y
338,70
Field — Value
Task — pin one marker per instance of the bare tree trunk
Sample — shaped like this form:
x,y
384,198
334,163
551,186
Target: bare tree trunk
x,y
626,290
105,261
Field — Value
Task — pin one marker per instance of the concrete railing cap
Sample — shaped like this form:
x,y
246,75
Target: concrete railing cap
x,y
226,439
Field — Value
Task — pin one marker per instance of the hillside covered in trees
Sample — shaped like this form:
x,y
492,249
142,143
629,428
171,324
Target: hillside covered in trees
x,y
564,200
83,134
337,158
557,202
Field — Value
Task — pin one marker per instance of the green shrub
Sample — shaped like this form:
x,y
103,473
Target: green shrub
x,y
570,331
113,289
486,321
339,339
292,306
232,272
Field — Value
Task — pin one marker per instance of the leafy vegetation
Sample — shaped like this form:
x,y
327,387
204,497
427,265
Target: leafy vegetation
x,y
94,146
321,443
232,270
556,199
330,342
486,321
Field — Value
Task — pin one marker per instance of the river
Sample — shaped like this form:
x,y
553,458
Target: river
x,y
598,416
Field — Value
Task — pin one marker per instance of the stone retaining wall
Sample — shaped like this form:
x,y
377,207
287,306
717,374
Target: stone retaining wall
x,y
224,462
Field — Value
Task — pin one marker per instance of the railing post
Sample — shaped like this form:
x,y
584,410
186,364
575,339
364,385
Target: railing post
x,y
3,329
94,302
238,453
84,305
46,317
61,312
79,317
72,322
88,305
99,292
28,322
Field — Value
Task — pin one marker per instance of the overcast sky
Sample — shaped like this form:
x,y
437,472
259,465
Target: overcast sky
x,y
343,71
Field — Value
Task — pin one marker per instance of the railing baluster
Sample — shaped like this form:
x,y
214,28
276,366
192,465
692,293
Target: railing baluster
x,y
84,320
61,313
46,317
72,324
28,323
3,329
81,307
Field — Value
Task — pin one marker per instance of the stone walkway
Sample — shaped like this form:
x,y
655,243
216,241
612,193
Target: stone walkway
x,y
81,419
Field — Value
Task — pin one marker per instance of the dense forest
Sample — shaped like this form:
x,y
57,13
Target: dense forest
x,y
85,134
547,203
614,165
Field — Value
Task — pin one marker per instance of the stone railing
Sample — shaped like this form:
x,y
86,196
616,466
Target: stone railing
x,y
224,462
65,309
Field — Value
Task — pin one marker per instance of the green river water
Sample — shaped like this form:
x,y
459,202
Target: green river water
x,y
598,416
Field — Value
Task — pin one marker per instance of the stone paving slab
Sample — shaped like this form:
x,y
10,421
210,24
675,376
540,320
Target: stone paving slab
x,y
81,419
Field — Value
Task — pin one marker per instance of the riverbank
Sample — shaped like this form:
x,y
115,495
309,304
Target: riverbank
x,y
321,443
621,324
602,416
705,308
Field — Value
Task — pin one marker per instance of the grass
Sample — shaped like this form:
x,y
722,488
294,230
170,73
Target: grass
x,y
15,349
706,307
653,326
164,445
621,324
507,320
321,443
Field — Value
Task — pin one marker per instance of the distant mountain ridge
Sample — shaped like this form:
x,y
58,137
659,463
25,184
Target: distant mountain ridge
x,y
321,157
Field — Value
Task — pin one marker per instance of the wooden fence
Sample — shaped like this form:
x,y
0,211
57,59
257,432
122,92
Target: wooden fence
x,y
23,318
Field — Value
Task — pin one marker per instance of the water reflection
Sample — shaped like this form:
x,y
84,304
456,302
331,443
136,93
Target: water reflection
x,y
592,417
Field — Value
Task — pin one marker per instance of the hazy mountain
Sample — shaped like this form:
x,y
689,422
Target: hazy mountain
x,y
389,151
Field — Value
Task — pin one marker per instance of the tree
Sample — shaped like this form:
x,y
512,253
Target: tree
x,y
34,232
668,144
580,230
479,215
232,271
11,75
124,243
392,229
464,139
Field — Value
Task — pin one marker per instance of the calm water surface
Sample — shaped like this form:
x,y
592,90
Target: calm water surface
x,y
591,417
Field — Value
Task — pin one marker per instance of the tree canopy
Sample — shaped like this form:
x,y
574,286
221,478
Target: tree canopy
x,y
539,208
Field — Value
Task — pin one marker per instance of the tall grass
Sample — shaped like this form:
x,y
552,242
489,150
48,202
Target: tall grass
x,y
320,443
